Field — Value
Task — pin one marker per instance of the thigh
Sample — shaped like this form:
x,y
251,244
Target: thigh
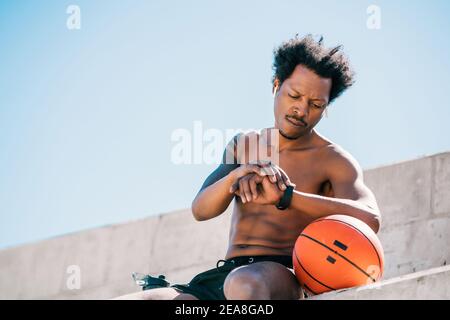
x,y
158,294
281,282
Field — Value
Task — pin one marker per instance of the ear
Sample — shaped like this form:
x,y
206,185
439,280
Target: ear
x,y
276,86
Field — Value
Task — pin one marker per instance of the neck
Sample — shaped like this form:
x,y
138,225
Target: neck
x,y
302,141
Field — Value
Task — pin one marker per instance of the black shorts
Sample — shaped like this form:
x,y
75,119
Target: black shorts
x,y
208,285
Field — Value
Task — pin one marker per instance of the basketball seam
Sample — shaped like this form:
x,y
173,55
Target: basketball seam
x,y
375,249
343,257
309,289
301,266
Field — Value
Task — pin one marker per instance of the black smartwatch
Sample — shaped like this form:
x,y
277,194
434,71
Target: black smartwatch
x,y
285,200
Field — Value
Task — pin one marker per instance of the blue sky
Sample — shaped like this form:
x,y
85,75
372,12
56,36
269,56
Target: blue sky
x,y
86,116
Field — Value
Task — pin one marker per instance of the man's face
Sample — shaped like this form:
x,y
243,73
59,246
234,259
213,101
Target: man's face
x,y
300,102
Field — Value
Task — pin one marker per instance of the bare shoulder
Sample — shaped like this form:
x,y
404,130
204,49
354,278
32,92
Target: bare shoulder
x,y
341,162
346,176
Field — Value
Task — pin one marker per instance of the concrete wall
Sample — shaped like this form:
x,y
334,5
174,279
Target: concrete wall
x,y
414,197
173,244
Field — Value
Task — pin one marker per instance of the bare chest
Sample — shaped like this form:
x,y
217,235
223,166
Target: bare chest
x,y
307,169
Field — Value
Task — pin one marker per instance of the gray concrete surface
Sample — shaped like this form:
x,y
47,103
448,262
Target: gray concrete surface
x,y
423,285
413,197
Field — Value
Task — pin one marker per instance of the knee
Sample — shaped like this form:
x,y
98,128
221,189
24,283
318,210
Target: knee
x,y
245,285
152,294
159,294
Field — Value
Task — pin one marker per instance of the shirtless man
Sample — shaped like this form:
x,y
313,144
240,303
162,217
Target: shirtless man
x,y
326,180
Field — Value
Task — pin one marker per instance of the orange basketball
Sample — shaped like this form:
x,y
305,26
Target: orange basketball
x,y
337,252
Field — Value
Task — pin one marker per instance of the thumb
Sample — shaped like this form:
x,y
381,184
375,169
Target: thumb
x,y
234,187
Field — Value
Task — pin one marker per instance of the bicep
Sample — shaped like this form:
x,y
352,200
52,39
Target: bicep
x,y
346,178
221,171
228,164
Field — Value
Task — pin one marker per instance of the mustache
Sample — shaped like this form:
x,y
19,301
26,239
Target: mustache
x,y
298,119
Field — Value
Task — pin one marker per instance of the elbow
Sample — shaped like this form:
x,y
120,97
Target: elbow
x,y
197,216
372,217
375,222
375,226
195,211
203,210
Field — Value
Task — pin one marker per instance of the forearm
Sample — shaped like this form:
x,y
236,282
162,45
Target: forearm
x,y
213,200
319,206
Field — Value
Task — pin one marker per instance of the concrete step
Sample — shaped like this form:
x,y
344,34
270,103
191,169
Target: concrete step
x,y
428,284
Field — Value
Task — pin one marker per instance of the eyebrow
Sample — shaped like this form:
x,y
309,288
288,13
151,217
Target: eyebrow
x,y
296,91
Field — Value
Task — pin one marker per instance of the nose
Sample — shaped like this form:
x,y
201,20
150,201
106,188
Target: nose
x,y
301,109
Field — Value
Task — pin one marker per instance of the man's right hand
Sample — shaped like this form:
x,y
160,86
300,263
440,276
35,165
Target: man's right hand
x,y
246,177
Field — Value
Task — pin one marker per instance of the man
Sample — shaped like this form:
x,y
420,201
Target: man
x,y
274,201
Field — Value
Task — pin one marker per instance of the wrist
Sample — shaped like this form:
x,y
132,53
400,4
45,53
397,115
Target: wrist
x,y
232,176
286,198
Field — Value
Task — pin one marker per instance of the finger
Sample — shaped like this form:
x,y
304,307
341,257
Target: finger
x,y
269,172
280,180
257,178
242,195
253,168
266,183
263,163
234,187
285,177
253,188
245,190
